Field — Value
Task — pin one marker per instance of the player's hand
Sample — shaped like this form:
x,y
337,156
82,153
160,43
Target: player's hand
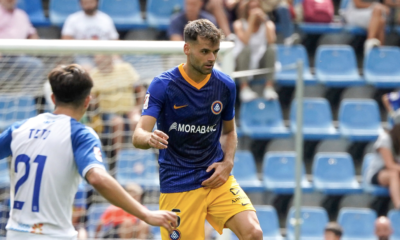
x,y
166,219
220,176
158,140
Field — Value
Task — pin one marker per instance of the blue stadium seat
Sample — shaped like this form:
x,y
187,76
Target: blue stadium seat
x,y
159,12
279,173
245,172
262,119
125,14
139,166
336,66
317,119
15,108
357,223
394,216
359,120
59,10
366,185
94,214
381,68
289,55
321,28
313,222
4,174
34,9
334,174
269,223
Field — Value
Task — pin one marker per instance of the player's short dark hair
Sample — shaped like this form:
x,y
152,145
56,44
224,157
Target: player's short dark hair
x,y
201,28
70,84
335,228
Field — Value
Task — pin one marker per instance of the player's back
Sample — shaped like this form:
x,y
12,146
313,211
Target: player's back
x,y
44,173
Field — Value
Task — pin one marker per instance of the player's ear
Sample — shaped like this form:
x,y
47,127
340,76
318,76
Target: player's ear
x,y
53,98
186,48
87,101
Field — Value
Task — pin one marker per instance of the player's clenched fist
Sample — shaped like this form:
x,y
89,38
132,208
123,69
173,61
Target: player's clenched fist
x,y
158,140
161,218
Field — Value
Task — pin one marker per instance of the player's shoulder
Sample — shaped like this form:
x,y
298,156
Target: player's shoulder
x,y
79,130
224,78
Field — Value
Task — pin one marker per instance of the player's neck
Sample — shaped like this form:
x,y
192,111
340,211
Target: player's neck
x,y
193,74
73,113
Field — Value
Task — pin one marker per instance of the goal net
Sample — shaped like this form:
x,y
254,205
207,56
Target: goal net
x,y
121,71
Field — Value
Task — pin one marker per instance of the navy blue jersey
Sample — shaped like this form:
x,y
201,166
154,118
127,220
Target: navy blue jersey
x,y
191,115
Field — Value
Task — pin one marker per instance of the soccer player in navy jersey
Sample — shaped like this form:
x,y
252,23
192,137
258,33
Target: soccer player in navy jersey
x,y
193,106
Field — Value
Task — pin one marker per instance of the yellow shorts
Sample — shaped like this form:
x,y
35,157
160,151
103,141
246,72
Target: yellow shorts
x,y
194,207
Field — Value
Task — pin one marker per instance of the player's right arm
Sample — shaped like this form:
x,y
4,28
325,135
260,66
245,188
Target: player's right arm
x,y
144,137
111,190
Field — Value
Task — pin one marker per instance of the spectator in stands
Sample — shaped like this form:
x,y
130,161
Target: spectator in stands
x,y
219,9
384,169
391,102
280,9
383,228
255,48
89,23
333,231
15,24
116,97
192,12
124,225
370,15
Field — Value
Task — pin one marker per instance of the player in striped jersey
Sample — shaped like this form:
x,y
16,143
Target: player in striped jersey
x,y
50,153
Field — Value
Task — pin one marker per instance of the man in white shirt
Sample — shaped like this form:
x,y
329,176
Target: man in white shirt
x,y
90,23
50,153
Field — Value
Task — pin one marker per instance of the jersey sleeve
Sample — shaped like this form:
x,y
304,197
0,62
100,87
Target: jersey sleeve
x,y
154,99
6,138
86,147
228,113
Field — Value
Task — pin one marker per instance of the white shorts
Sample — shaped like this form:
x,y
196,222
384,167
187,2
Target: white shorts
x,y
15,235
359,17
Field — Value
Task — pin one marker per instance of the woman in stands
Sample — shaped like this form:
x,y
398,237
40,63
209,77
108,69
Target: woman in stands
x,y
371,16
384,169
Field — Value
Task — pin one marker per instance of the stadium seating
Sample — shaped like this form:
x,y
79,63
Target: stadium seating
x,y
317,119
15,108
333,145
245,172
357,223
139,166
80,196
381,68
336,66
125,14
313,222
279,173
141,62
4,174
334,174
288,57
262,119
366,185
159,12
269,223
394,216
359,120
59,10
34,9
94,213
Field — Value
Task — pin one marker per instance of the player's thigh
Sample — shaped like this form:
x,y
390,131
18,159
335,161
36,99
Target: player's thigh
x,y
245,225
191,210
225,202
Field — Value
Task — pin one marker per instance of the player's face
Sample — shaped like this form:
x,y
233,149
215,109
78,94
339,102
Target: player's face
x,y
8,4
89,6
203,54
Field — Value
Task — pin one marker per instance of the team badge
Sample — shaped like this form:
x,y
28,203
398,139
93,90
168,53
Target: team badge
x,y
146,101
175,235
97,154
216,107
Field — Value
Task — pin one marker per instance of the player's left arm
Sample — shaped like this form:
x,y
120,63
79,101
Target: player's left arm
x,y
222,170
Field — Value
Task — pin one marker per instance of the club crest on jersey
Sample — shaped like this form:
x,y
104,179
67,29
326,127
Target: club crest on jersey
x,y
216,107
175,235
